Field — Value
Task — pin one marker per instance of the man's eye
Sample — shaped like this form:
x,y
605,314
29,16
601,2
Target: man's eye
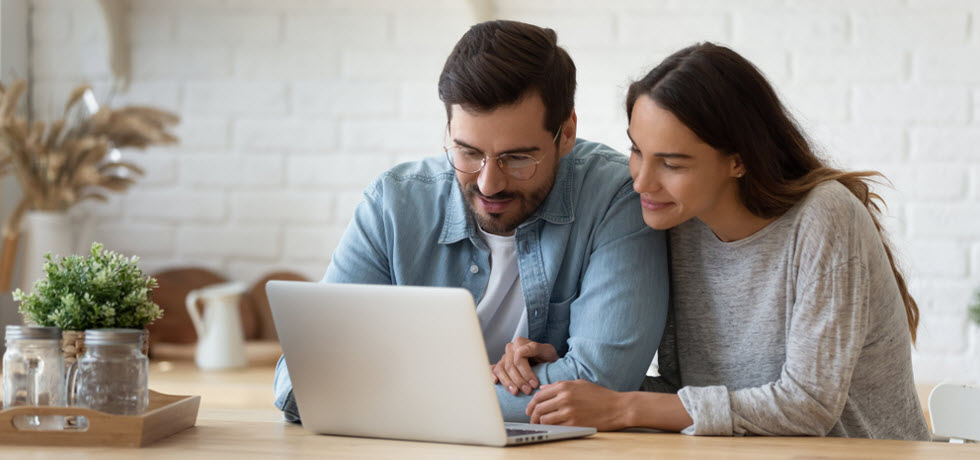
x,y
469,153
518,161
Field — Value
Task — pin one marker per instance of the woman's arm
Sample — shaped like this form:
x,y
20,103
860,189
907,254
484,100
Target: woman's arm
x,y
660,411
581,403
825,336
826,332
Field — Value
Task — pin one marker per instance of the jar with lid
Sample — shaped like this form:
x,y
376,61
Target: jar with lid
x,y
34,371
111,376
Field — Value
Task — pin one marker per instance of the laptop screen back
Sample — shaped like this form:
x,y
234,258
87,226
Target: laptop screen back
x,y
387,361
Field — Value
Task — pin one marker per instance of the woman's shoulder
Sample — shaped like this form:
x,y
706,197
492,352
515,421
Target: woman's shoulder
x,y
830,206
832,223
831,197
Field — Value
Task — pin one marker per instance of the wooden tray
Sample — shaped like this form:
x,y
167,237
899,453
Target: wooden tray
x,y
164,416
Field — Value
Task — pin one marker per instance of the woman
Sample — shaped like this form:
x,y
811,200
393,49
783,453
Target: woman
x,y
788,315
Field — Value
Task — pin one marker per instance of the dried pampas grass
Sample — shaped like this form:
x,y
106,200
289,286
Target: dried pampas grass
x,y
67,162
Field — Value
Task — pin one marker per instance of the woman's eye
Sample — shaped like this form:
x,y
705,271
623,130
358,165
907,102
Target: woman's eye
x,y
671,167
634,150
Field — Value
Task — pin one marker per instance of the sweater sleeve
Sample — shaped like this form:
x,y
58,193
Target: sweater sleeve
x,y
826,331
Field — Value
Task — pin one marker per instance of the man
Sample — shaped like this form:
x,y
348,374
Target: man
x,y
543,229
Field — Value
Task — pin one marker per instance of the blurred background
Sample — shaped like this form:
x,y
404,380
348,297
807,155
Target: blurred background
x,y
290,107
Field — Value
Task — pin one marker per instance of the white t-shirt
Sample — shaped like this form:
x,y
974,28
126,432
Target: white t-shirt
x,y
502,311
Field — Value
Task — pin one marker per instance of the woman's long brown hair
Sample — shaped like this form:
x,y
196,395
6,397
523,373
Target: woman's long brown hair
x,y
727,102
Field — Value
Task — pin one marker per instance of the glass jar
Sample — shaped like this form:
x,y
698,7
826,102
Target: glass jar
x,y
34,371
111,376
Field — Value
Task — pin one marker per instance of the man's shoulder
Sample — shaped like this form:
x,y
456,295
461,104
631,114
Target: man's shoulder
x,y
594,155
414,191
426,170
599,170
416,178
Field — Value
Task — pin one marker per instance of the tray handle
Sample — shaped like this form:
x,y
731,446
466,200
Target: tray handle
x,y
95,418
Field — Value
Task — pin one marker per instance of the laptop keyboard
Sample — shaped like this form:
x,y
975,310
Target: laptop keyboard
x,y
520,432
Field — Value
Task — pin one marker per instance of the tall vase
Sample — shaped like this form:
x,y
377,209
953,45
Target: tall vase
x,y
44,231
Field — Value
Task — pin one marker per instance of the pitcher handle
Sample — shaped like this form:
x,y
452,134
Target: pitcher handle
x,y
195,314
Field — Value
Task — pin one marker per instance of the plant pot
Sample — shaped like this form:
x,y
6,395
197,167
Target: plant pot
x,y
44,232
73,344
49,231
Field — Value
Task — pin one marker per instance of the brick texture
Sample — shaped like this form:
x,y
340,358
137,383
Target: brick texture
x,y
290,108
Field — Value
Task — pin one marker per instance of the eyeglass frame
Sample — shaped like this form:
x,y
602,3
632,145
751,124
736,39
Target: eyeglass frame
x,y
500,165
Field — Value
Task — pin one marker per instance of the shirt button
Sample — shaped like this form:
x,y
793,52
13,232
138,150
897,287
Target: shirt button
x,y
474,269
536,313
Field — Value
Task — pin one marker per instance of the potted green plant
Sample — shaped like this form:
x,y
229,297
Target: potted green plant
x,y
102,290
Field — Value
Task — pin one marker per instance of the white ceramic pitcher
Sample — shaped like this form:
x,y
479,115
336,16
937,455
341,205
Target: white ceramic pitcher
x,y
220,339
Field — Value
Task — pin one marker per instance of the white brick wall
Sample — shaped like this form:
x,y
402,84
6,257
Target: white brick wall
x,y
230,99
260,241
291,107
937,105
796,28
221,170
851,66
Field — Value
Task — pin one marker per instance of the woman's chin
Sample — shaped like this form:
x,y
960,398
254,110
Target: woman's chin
x,y
661,222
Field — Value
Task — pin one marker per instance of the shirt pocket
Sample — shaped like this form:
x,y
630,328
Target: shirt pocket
x,y
559,316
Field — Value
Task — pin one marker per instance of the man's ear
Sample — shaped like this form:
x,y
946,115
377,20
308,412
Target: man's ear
x,y
568,131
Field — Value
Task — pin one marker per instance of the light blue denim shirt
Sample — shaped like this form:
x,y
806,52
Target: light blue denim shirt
x,y
594,275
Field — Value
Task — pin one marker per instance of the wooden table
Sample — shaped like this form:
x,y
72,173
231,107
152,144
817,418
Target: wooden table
x,y
237,420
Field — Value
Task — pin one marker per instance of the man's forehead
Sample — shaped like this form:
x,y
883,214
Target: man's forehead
x,y
526,115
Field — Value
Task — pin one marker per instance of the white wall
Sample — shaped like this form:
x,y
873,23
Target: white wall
x,y
290,107
13,64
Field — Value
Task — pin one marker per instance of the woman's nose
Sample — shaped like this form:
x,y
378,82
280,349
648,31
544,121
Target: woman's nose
x,y
646,180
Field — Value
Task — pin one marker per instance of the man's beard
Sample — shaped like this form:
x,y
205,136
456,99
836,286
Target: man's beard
x,y
501,223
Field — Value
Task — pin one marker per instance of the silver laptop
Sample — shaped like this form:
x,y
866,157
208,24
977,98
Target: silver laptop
x,y
394,362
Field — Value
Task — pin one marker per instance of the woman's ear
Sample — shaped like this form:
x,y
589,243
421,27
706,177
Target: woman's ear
x,y
736,167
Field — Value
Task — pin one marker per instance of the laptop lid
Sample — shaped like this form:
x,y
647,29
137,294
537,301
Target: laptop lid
x,y
387,361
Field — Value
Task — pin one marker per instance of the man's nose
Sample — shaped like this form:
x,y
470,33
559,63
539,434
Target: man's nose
x,y
491,179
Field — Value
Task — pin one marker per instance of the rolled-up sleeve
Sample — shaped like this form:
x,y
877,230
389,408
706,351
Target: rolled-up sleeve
x,y
282,387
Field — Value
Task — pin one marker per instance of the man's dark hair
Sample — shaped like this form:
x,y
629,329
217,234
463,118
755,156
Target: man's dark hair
x,y
497,63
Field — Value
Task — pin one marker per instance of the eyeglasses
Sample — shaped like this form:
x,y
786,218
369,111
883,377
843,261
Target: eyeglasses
x,y
517,165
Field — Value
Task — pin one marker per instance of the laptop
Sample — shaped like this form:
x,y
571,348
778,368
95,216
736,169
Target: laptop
x,y
394,362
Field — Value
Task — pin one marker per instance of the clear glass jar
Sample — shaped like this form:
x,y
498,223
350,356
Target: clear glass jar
x,y
34,371
111,376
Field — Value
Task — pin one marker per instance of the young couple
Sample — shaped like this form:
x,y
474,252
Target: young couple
x,y
786,313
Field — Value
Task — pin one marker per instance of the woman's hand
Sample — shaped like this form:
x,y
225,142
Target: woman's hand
x,y
514,368
579,403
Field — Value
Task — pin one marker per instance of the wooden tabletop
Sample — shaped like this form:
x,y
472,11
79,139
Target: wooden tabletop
x,y
237,420
216,437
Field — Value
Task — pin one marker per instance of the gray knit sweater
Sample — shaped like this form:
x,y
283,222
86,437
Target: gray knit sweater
x,y
798,329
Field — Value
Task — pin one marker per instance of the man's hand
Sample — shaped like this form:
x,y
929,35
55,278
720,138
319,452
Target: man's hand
x,y
578,403
514,368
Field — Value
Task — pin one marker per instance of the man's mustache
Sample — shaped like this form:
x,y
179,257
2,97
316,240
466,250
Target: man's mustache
x,y
473,189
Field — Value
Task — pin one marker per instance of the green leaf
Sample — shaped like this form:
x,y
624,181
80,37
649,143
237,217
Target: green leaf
x,y
974,311
102,290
